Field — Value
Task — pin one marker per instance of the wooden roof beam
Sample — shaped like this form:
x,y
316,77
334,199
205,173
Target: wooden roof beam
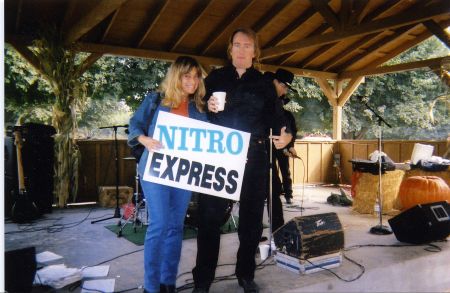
x,y
88,62
375,48
327,13
108,28
291,28
418,39
28,56
361,30
322,28
152,19
431,63
91,19
187,26
171,56
271,14
438,31
348,51
225,24
349,90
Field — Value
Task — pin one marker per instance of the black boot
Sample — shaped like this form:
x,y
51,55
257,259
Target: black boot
x,y
163,288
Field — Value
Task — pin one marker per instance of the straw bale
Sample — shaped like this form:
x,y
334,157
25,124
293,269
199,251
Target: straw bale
x,y
366,191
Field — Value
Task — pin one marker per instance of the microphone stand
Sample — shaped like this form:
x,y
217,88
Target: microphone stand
x,y
379,229
116,158
269,201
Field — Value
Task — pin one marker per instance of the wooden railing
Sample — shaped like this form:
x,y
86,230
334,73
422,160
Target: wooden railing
x,y
97,166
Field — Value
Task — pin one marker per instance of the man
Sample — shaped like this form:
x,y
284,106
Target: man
x,y
282,80
251,106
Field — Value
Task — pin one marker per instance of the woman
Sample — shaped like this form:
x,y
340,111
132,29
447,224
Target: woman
x,y
181,93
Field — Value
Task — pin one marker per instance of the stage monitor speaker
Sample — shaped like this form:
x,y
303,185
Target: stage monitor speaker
x,y
422,223
310,236
20,269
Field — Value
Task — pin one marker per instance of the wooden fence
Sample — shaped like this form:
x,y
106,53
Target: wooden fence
x,y
97,166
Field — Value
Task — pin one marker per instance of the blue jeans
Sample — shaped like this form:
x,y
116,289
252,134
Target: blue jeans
x,y
162,247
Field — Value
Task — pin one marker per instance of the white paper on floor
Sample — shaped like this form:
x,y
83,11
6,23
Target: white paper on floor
x,y
57,276
46,257
95,272
102,285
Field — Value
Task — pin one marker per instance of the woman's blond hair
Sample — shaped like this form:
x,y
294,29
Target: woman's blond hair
x,y
171,88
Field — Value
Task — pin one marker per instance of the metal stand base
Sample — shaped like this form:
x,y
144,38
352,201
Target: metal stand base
x,y
380,230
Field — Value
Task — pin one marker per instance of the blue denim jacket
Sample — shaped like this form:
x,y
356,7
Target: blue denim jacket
x,y
139,122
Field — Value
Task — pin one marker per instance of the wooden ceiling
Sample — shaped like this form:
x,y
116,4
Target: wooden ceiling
x,y
331,39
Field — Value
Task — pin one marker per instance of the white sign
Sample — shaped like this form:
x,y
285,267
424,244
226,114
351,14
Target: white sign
x,y
198,156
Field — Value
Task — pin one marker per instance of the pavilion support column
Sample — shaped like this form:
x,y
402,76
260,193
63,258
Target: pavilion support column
x,y
338,95
337,122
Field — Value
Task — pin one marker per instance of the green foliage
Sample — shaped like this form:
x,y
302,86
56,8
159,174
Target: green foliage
x,y
316,115
127,79
407,98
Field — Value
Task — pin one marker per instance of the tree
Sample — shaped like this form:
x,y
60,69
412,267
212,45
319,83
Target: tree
x,y
404,99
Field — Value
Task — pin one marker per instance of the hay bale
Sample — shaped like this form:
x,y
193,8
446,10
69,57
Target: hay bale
x,y
366,191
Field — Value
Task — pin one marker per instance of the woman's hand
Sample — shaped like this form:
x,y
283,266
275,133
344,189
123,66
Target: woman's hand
x,y
151,144
280,141
212,104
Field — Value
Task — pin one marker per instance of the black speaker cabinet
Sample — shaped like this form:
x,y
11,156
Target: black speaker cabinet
x,y
20,268
310,236
38,158
422,223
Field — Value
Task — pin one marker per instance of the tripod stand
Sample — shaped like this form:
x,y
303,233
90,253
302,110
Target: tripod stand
x,y
137,202
116,158
379,229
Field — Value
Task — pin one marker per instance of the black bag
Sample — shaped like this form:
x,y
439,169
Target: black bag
x,y
138,150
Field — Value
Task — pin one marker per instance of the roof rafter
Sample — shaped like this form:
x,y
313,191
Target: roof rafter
x,y
437,30
170,56
327,13
431,63
186,27
91,19
376,47
363,29
222,27
291,28
276,10
108,28
152,19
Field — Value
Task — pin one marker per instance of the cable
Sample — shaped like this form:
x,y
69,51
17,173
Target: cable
x,y
55,227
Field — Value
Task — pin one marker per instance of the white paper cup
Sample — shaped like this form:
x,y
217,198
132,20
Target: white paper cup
x,y
220,96
264,251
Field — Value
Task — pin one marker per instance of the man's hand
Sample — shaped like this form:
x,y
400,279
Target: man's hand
x,y
282,140
213,104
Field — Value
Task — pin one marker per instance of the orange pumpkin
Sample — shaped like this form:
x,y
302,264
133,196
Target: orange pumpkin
x,y
423,189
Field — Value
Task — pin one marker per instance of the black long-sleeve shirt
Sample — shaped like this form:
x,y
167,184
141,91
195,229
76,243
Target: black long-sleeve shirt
x,y
251,104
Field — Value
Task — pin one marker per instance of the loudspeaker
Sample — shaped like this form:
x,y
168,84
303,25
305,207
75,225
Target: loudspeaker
x,y
11,183
38,157
20,268
310,236
422,223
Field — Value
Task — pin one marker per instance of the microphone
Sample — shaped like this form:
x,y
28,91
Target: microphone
x,y
114,126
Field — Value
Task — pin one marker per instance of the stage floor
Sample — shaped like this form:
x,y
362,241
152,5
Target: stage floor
x,y
387,267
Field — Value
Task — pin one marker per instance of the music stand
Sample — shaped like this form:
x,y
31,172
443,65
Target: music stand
x,y
379,229
116,158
